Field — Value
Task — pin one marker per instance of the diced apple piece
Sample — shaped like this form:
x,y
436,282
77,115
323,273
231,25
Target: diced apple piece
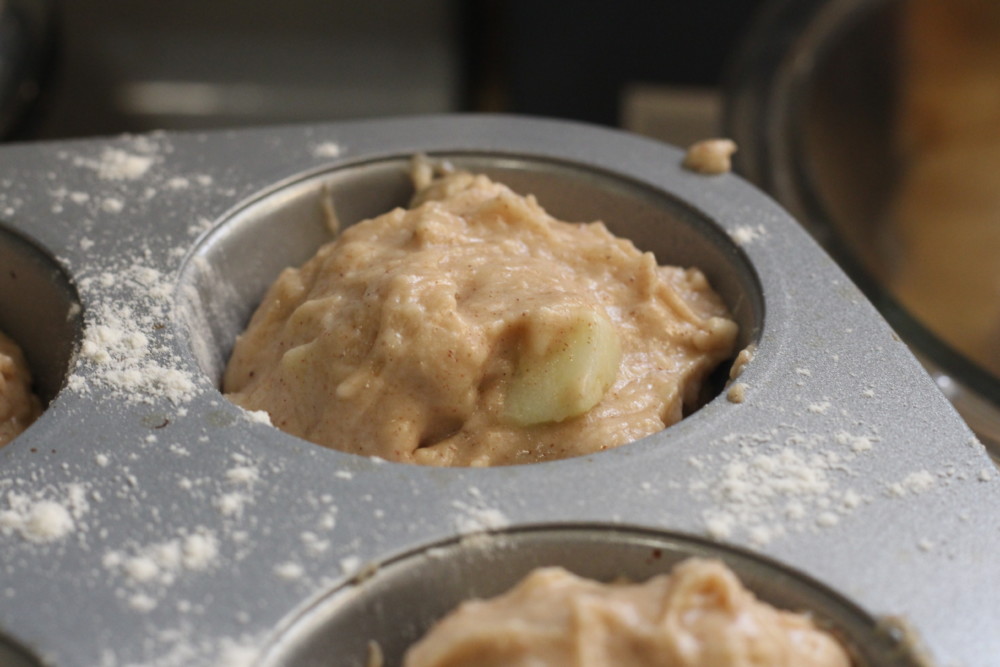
x,y
567,362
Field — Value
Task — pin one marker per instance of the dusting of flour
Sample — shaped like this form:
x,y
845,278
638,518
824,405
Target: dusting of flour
x,y
127,348
48,515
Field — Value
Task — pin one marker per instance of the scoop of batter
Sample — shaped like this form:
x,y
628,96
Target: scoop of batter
x,y
475,329
697,616
19,407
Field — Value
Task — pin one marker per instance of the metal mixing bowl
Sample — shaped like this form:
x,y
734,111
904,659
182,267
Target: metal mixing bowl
x,y
811,104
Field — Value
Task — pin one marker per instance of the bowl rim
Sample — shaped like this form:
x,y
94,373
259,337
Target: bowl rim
x,y
767,79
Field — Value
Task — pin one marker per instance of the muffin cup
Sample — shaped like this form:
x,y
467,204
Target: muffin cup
x,y
396,602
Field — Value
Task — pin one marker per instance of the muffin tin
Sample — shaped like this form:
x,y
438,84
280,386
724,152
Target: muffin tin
x,y
145,520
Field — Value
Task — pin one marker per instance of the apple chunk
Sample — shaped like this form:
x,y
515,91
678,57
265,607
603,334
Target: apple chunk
x,y
567,361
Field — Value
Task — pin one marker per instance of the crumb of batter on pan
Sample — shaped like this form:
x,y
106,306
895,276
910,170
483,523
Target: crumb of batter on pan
x,y
737,390
742,359
710,156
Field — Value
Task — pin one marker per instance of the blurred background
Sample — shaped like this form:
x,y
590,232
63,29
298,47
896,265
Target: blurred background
x,y
93,67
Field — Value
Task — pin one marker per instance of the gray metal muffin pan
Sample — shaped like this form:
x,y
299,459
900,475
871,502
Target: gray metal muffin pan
x,y
178,530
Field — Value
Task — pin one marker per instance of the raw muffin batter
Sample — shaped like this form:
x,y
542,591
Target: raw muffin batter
x,y
18,406
475,329
697,616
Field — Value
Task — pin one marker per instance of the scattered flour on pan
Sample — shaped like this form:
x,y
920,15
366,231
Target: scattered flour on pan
x,y
289,570
231,501
350,564
231,504
327,149
116,164
774,483
126,341
745,234
913,484
476,516
819,408
149,570
127,354
243,474
45,516
857,443
258,416
185,651
768,484
314,545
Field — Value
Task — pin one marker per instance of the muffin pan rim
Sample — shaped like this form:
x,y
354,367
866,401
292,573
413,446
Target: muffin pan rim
x,y
307,621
